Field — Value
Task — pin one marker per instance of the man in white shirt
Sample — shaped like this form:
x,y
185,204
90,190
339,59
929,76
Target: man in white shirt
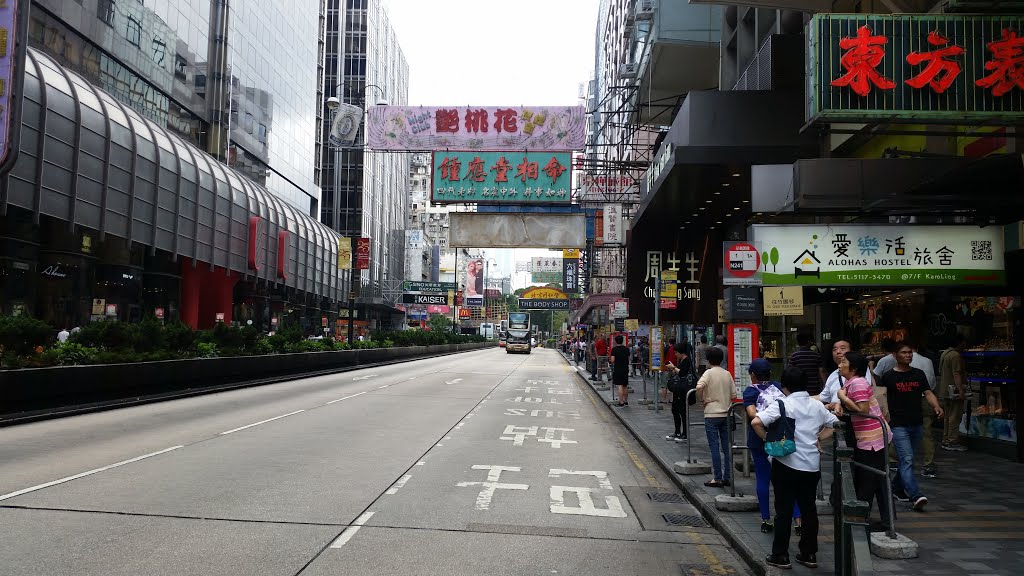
x,y
835,381
63,335
795,476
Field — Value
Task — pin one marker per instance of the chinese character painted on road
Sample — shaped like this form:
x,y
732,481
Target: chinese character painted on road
x,y
897,244
1007,64
863,55
922,257
505,120
476,121
447,120
868,245
500,169
692,267
450,169
554,169
945,256
527,169
940,71
475,170
653,264
483,500
841,244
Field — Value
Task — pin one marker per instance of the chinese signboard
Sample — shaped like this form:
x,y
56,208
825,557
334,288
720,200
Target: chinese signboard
x,y
362,254
620,308
881,255
420,128
915,67
599,228
570,276
612,224
8,29
501,178
598,187
784,301
546,270
742,266
544,293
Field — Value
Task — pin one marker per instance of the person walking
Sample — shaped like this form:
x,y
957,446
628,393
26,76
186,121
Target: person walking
x,y
684,372
905,387
715,391
762,392
952,391
795,476
620,370
871,435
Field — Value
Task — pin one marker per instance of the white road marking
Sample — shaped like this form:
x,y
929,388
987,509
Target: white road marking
x,y
456,381
345,398
351,530
367,377
519,433
382,387
421,463
83,474
483,500
401,482
602,477
549,437
586,507
262,422
413,378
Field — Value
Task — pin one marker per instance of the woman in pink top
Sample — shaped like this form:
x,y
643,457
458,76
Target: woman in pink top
x,y
857,396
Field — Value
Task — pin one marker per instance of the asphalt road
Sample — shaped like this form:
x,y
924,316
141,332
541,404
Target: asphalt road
x,y
475,463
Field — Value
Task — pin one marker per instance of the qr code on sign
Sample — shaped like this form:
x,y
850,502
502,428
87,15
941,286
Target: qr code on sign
x,y
981,249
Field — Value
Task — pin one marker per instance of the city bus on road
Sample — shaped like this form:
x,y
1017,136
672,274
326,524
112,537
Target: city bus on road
x,y
518,334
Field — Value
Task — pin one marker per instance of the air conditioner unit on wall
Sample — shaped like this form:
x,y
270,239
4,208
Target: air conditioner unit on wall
x,y
644,9
627,71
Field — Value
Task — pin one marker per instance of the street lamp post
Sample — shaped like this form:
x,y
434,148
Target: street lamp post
x,y
333,104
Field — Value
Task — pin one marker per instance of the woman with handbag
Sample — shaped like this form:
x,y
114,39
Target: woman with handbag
x,y
791,429
681,382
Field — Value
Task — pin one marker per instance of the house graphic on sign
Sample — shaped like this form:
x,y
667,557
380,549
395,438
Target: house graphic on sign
x,y
805,260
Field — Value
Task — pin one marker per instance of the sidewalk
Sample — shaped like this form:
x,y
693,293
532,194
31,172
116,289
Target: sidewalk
x,y
972,525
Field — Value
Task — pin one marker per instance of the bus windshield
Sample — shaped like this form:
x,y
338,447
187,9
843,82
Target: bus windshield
x,y
518,320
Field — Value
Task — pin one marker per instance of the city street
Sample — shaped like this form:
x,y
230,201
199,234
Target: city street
x,y
474,463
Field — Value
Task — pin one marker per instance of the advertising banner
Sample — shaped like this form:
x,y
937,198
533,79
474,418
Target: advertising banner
x,y
421,128
8,33
435,299
917,68
599,228
571,254
363,254
474,277
543,304
501,178
743,303
344,253
620,308
881,255
657,347
434,309
613,224
435,287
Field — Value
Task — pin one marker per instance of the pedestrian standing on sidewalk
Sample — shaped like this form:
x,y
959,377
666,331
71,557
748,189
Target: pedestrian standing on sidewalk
x,y
668,357
952,391
683,371
905,386
715,391
620,370
762,392
810,362
721,344
795,476
870,435
702,355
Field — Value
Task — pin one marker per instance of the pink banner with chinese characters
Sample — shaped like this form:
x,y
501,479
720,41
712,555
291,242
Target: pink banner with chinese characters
x,y
551,128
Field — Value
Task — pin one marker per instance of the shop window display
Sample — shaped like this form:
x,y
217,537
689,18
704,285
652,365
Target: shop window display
x,y
991,367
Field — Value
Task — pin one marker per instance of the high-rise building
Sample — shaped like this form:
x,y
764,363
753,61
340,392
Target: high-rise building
x,y
167,165
364,192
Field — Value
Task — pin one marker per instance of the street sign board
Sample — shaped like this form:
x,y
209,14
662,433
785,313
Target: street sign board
x,y
543,304
742,264
433,287
436,299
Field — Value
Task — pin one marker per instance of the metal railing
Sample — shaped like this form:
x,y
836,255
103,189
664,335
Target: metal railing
x,y
731,460
884,472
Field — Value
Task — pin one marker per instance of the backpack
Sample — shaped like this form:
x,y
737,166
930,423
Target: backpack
x,y
779,441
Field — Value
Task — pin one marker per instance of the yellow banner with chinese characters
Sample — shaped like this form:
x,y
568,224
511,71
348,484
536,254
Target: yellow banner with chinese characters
x,y
784,301
344,253
571,254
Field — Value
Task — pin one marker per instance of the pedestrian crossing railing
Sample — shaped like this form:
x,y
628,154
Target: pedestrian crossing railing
x,y
852,551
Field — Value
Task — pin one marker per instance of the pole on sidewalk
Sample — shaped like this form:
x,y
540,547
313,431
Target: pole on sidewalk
x,y
657,319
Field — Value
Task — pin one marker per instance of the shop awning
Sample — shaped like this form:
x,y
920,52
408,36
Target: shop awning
x,y
593,301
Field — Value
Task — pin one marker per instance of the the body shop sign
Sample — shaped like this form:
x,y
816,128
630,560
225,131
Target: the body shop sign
x,y
501,178
881,255
8,29
915,68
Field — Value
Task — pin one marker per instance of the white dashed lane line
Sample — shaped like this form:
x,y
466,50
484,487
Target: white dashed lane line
x,y
345,398
349,532
401,482
261,422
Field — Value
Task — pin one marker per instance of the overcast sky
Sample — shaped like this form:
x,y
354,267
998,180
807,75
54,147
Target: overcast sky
x,y
484,53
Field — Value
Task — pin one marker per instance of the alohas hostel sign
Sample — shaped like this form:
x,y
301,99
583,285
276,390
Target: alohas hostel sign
x,y
882,255
915,68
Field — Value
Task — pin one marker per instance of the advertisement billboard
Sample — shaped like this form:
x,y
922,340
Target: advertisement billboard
x,y
363,254
501,178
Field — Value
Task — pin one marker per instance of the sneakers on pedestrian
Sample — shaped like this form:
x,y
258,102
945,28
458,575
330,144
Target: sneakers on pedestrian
x,y
901,496
681,439
920,503
958,448
929,472
778,561
767,526
947,446
809,560
672,437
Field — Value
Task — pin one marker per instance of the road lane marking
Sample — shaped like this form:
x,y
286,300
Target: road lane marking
x,y
368,376
382,387
83,474
345,398
710,559
640,465
351,530
401,482
421,463
262,422
456,381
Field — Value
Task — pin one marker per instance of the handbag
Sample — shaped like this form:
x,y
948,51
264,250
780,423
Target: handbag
x,y
779,441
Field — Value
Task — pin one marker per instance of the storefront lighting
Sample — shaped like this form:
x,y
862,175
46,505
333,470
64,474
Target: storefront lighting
x,y
702,208
707,201
736,175
736,208
718,222
746,201
717,193
834,302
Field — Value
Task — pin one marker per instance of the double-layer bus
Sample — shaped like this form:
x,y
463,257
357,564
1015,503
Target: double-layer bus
x,y
518,334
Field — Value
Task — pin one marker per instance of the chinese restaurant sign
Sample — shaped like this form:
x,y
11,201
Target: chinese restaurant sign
x,y
501,178
546,270
881,255
912,68
420,128
8,27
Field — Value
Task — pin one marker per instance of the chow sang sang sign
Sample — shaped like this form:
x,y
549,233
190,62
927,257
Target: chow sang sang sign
x,y
915,67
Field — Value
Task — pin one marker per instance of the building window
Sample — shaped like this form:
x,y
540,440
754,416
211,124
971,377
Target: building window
x,y
134,32
180,67
159,51
105,11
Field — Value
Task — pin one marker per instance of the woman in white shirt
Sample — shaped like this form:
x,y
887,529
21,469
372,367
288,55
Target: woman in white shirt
x,y
795,476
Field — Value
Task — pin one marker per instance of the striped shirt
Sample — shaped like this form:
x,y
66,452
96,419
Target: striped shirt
x,y
809,362
867,430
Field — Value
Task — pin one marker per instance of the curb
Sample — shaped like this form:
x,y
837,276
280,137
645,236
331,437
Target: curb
x,y
706,507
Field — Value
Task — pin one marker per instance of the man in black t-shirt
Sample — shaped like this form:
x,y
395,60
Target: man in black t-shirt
x,y
620,370
905,387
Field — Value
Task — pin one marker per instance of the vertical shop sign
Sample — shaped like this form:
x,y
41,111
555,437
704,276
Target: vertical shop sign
x,y
599,228
282,254
612,224
8,66
344,253
363,254
570,279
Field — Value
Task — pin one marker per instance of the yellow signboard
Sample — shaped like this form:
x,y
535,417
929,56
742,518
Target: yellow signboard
x,y
784,301
721,310
544,292
631,324
344,253
571,254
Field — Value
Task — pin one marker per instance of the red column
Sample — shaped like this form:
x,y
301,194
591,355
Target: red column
x,y
191,281
224,286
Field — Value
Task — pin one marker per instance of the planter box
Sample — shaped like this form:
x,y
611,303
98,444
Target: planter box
x,y
35,389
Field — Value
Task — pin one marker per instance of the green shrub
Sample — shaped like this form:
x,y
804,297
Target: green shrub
x,y
69,354
206,350
178,337
21,335
148,335
106,335
263,347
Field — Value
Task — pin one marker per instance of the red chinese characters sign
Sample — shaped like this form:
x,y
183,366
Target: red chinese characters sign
x,y
422,128
916,67
362,254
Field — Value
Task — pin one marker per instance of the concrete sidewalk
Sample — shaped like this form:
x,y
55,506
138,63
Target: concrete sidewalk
x,y
972,525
